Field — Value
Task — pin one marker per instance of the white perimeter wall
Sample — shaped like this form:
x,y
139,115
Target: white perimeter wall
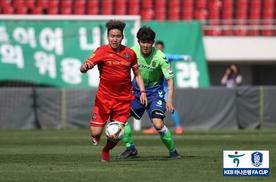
x,y
219,49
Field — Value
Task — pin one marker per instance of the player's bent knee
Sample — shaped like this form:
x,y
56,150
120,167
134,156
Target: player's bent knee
x,y
157,123
158,126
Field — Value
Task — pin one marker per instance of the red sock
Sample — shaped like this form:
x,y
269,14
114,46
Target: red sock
x,y
105,156
105,152
109,145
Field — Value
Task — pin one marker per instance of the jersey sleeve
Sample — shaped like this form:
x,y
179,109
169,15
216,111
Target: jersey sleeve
x,y
134,59
165,66
96,57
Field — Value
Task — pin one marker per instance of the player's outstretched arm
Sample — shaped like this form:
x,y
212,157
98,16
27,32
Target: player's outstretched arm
x,y
140,82
86,66
169,104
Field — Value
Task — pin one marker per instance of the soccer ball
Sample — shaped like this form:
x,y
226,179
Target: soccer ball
x,y
114,131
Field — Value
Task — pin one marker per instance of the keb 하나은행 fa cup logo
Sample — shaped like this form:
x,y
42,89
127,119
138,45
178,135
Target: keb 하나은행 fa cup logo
x,y
246,163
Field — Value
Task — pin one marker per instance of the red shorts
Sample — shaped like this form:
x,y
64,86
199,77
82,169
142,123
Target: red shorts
x,y
108,108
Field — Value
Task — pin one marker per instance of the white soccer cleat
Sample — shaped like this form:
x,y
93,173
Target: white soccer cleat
x,y
94,141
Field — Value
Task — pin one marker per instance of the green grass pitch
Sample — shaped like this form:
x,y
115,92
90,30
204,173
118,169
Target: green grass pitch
x,y
67,156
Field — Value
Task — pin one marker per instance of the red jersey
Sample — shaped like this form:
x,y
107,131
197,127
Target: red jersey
x,y
114,68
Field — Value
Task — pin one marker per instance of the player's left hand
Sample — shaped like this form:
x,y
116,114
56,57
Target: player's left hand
x,y
169,106
144,99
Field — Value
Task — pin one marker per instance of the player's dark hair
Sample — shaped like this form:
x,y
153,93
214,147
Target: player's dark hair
x,y
145,34
115,24
159,42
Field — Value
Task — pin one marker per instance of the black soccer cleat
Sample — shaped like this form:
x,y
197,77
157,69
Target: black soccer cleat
x,y
174,155
128,153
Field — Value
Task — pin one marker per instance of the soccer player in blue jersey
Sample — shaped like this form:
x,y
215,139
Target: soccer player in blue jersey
x,y
154,67
174,115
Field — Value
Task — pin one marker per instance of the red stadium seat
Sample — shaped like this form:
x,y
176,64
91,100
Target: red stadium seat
x,y
254,17
18,3
160,10
66,10
147,4
214,9
268,17
134,7
5,3
92,3
201,4
241,17
174,10
66,4
147,10
37,10
79,10
93,7
52,8
227,17
227,7
22,10
93,11
201,14
147,14
53,11
29,3
8,10
120,7
174,15
79,3
107,7
274,10
223,17
187,10
53,4
42,3
79,7
269,6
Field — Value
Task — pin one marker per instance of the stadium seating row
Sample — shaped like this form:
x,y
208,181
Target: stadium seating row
x,y
219,17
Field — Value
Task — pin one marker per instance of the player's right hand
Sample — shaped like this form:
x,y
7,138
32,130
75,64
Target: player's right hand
x,y
84,68
144,99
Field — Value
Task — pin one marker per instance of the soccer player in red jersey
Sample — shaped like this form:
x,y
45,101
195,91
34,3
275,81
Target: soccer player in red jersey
x,y
114,94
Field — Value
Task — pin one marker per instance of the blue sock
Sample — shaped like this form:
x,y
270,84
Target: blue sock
x,y
176,119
